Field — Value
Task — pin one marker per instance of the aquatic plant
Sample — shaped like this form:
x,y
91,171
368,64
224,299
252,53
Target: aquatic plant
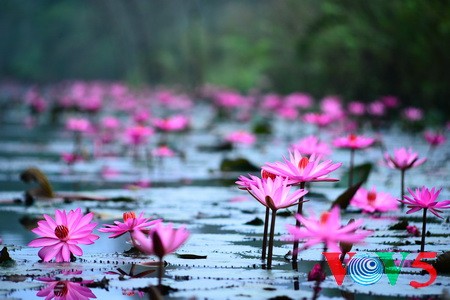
x,y
299,170
274,194
373,201
160,241
423,198
353,142
130,223
403,160
60,236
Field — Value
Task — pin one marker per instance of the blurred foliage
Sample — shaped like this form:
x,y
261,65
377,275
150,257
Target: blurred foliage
x,y
357,49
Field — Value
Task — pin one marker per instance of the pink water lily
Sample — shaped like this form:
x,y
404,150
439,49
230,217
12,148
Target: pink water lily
x,y
170,239
60,236
78,124
354,142
130,224
434,139
310,145
403,159
241,137
300,168
65,290
275,193
373,201
423,198
138,135
327,229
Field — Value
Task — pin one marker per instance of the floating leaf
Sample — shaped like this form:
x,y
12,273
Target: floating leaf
x,y
34,174
285,213
5,260
226,146
237,165
344,199
442,263
191,256
399,225
262,127
255,222
360,174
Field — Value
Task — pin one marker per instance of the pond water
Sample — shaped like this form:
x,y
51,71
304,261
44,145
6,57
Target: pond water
x,y
190,189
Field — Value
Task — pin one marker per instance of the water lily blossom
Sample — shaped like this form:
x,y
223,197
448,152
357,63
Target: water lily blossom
x,y
310,145
327,229
403,159
300,168
60,236
162,240
373,201
434,139
275,194
130,224
423,198
65,290
353,142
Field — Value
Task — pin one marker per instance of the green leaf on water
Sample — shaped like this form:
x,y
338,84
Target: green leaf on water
x,y
5,260
360,174
344,199
191,256
237,165
255,222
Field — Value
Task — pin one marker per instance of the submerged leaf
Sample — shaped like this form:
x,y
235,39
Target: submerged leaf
x,y
344,199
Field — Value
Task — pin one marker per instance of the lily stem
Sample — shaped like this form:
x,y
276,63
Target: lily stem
x,y
272,233
160,271
402,188
350,173
266,227
297,224
318,281
424,230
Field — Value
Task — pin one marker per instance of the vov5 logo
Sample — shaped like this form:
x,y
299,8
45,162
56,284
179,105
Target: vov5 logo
x,y
367,270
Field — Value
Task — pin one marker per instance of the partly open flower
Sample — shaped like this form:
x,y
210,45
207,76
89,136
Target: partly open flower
x,y
403,159
423,198
434,138
327,229
130,223
60,236
310,145
353,141
302,169
275,193
373,201
161,240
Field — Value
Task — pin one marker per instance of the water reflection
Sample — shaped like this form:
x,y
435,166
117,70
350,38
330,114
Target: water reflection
x,y
65,289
